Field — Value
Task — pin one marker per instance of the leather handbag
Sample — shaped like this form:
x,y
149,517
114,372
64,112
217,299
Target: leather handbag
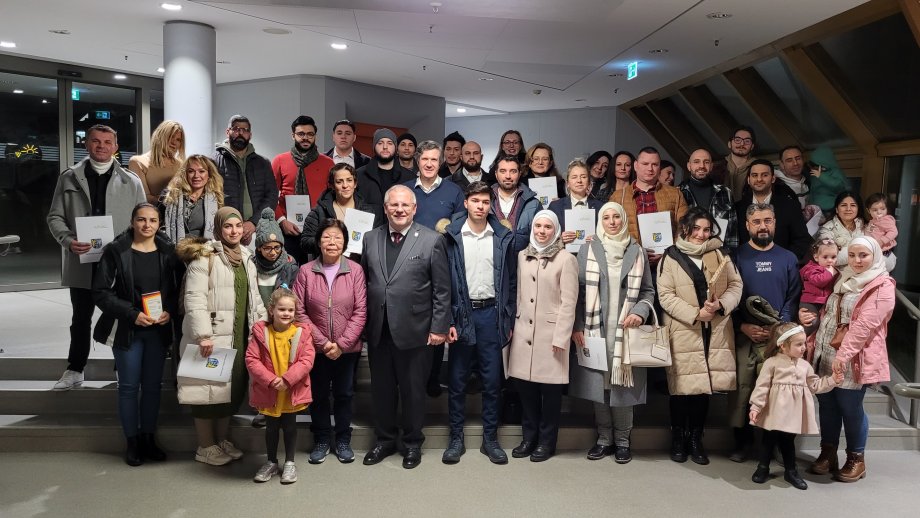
x,y
648,344
840,330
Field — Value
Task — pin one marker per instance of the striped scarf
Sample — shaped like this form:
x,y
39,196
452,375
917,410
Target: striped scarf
x,y
620,370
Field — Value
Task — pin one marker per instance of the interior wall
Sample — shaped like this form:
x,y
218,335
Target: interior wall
x,y
270,104
632,137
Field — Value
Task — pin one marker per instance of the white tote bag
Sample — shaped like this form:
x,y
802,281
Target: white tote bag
x,y
648,344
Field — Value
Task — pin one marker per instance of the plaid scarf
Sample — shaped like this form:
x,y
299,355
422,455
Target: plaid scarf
x,y
620,370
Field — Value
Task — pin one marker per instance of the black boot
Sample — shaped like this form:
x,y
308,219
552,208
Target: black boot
x,y
678,444
697,452
761,475
133,452
792,476
149,448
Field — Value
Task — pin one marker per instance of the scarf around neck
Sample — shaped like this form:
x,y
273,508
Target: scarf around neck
x,y
233,253
265,267
694,250
614,244
303,159
551,216
852,282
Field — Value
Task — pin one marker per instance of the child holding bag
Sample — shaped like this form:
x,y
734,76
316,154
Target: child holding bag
x,y
782,402
279,358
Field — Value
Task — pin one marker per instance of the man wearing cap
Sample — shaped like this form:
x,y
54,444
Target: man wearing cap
x,y
405,148
453,143
249,184
343,138
383,171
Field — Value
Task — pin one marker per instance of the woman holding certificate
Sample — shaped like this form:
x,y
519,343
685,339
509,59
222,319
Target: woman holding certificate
x,y
335,200
698,288
221,303
615,291
136,289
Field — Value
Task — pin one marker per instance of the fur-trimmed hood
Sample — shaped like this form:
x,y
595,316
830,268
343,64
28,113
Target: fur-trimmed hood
x,y
192,248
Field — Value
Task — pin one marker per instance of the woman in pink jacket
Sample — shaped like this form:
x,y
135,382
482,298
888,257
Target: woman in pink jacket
x,y
333,296
863,298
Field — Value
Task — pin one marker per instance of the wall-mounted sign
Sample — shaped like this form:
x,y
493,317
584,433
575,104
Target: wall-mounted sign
x,y
632,70
103,115
75,94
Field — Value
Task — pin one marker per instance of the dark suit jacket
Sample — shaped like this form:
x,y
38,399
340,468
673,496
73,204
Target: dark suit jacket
x,y
565,203
415,295
791,232
361,159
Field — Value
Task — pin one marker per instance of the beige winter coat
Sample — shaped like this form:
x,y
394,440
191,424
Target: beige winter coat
x,y
209,302
692,371
546,297
783,395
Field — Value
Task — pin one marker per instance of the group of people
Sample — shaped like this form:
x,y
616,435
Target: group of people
x,y
466,258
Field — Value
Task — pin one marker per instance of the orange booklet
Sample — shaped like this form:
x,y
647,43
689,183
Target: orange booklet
x,y
153,304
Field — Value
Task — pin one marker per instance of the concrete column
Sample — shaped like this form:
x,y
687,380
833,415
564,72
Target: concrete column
x,y
190,59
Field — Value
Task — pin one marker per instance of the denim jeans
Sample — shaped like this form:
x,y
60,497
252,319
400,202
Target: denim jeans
x,y
844,407
488,350
340,373
140,369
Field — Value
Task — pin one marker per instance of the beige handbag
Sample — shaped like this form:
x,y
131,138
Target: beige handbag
x,y
648,344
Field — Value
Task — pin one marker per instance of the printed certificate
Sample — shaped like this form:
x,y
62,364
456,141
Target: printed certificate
x,y
358,224
217,367
582,222
655,231
298,206
594,354
545,188
98,231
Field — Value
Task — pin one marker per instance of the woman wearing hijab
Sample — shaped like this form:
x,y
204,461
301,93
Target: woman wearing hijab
x,y
863,299
539,358
698,288
222,301
615,291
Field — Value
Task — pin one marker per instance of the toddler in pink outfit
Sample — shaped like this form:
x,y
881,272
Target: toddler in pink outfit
x,y
882,226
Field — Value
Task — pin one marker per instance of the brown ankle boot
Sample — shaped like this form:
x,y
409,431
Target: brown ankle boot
x,y
854,469
827,461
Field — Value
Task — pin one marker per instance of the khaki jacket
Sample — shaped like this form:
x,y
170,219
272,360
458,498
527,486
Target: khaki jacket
x,y
667,199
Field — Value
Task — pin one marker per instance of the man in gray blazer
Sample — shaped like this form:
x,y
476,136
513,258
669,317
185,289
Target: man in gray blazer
x,y
97,186
408,310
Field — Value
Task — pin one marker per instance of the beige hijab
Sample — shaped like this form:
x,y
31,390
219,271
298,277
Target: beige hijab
x,y
233,253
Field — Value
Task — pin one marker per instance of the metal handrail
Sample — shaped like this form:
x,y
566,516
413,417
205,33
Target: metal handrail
x,y
914,312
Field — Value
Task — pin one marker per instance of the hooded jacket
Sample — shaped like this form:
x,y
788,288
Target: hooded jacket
x,y
262,371
825,188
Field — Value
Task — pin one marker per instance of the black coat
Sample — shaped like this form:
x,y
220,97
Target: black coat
x,y
263,191
370,186
361,159
113,290
791,232
463,183
324,211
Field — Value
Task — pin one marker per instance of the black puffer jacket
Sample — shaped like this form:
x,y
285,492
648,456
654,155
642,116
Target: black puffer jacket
x,y
263,191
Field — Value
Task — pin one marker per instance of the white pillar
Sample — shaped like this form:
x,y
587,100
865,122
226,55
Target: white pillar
x,y
190,59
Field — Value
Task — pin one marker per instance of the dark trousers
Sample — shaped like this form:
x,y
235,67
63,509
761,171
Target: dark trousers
x,y
140,371
786,443
689,412
437,361
80,327
285,424
542,404
398,376
488,351
340,373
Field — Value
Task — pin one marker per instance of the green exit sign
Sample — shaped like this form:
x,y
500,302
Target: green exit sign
x,y
75,94
632,70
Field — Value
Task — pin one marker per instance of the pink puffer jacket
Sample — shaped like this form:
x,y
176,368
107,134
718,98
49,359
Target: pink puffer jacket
x,y
262,372
338,316
865,342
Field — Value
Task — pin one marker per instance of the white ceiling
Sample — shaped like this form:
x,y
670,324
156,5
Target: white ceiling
x,y
566,49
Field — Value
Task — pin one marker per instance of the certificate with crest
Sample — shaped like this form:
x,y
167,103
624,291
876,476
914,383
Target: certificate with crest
x,y
582,222
98,231
298,206
545,189
358,224
656,231
217,367
594,354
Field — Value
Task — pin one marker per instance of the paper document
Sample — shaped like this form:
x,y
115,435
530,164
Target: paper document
x,y
814,224
545,188
153,304
98,231
723,229
298,206
594,354
580,221
358,224
217,367
655,231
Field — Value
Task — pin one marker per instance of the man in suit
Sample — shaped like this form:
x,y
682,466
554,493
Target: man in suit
x,y
408,297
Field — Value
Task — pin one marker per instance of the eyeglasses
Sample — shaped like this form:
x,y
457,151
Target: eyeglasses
x,y
302,134
271,248
511,142
745,141
240,130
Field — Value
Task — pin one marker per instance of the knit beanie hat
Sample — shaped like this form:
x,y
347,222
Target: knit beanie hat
x,y
268,230
384,133
407,136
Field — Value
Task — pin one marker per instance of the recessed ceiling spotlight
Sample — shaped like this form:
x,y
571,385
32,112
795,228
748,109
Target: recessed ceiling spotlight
x,y
7,44
223,62
658,51
161,70
718,16
171,7
18,91
276,31
461,110
618,74
487,79
339,46
120,77
62,32
580,100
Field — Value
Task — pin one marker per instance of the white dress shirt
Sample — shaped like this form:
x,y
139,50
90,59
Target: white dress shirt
x,y
428,190
478,259
348,159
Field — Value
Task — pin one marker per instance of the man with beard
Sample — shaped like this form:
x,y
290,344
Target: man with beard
x,y
514,204
405,148
770,272
792,168
700,191
453,143
343,150
249,184
790,231
383,171
302,170
733,170
471,158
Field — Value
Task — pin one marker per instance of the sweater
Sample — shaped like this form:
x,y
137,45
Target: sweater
x,y
441,203
771,274
285,170
154,179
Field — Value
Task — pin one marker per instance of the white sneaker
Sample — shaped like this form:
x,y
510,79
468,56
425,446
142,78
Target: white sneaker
x,y
230,449
266,472
212,455
70,379
289,473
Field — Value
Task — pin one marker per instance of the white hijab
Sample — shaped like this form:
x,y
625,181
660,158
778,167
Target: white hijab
x,y
551,216
614,244
851,282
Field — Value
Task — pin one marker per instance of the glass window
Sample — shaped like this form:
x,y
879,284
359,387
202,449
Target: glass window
x,y
875,66
736,106
29,129
816,125
107,105
156,109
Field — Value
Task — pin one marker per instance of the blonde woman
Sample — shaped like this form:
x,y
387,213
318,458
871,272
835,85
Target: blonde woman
x,y
158,166
192,199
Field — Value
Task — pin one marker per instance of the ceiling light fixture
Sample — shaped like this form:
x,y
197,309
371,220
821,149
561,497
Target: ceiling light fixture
x,y
44,101
276,31
120,77
487,79
223,62
161,70
580,100
435,6
339,46
7,44
718,16
461,110
18,91
658,51
62,32
618,74
171,7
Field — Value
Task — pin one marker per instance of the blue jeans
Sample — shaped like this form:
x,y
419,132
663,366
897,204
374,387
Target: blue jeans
x,y
844,407
341,374
140,369
488,350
